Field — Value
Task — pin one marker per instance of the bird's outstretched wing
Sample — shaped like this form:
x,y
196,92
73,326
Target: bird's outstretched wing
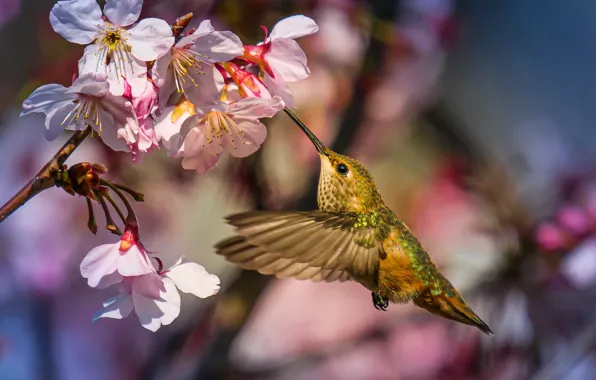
x,y
314,245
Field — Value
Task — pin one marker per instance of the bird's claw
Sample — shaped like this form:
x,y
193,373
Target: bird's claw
x,y
379,302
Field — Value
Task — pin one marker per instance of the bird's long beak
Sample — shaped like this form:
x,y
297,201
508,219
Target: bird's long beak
x,y
321,148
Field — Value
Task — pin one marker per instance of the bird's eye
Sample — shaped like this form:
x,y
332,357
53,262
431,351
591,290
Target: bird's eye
x,y
342,169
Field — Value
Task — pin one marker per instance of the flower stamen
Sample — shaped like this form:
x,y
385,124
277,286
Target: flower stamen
x,y
186,64
218,124
86,112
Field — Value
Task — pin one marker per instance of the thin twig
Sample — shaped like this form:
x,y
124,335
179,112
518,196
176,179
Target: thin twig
x,y
44,179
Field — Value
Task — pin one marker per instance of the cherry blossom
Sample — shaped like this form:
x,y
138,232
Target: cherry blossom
x,y
187,66
154,297
87,102
168,124
144,106
108,263
120,48
279,57
233,127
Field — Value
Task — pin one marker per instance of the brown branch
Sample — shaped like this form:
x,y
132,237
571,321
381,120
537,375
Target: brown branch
x,y
45,178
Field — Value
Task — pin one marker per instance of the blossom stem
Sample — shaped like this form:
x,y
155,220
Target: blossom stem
x,y
91,223
135,195
46,177
110,225
131,214
115,206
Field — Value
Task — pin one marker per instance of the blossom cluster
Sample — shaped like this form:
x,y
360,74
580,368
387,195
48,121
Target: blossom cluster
x,y
144,284
142,85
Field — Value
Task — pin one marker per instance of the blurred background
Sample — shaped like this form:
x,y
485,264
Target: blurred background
x,y
475,118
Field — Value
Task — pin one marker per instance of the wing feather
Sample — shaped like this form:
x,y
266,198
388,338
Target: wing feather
x,y
313,245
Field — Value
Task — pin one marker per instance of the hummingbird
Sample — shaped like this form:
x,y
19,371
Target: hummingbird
x,y
352,236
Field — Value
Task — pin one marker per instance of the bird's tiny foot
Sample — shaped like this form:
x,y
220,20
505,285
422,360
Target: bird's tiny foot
x,y
379,302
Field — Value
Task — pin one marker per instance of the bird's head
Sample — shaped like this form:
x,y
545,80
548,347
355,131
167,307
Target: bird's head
x,y
345,185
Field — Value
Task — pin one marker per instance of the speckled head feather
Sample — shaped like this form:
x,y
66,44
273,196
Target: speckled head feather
x,y
345,185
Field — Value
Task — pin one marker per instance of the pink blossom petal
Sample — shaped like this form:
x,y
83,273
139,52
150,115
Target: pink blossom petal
x,y
206,89
150,39
193,278
255,133
550,236
169,303
287,60
148,312
148,285
294,27
123,12
134,262
254,108
192,136
116,307
277,87
44,98
201,162
78,21
218,46
99,262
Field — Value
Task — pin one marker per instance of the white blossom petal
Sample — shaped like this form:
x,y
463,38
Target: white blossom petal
x,y
294,27
109,280
133,70
169,303
167,128
162,75
44,98
116,307
159,71
134,262
149,285
93,84
124,118
78,21
205,27
193,278
148,312
55,120
109,135
150,39
287,60
99,262
123,12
